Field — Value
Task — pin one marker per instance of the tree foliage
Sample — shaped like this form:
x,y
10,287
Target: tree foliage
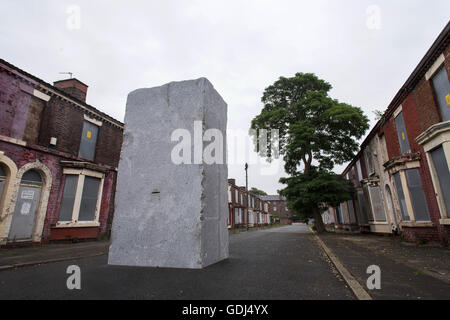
x,y
316,132
257,192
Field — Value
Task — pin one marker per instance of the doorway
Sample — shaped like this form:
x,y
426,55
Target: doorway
x,y
27,204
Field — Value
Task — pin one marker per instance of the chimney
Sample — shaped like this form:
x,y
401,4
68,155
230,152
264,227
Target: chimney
x,y
73,87
232,181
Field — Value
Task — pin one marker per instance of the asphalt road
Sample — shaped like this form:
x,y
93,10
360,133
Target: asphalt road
x,y
281,263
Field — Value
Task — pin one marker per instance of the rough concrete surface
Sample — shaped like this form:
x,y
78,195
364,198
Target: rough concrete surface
x,y
167,214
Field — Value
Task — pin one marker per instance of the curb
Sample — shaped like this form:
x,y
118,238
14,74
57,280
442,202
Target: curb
x,y
358,290
32,263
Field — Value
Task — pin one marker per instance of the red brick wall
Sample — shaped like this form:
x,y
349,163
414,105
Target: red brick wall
x,y
109,144
418,234
22,156
65,122
426,102
14,104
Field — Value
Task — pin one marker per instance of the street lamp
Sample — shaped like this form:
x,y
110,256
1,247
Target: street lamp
x,y
246,190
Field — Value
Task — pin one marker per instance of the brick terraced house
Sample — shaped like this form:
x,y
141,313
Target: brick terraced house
x,y
401,173
278,208
238,203
58,160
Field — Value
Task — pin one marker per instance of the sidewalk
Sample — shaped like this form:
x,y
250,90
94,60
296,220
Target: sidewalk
x,y
19,257
408,271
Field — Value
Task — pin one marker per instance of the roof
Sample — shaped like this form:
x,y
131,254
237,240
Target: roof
x,y
272,198
438,46
60,92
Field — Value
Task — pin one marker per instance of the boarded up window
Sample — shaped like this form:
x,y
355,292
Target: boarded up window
x,y
362,209
377,204
359,171
344,212
418,199
443,174
401,197
401,133
89,199
442,91
68,200
32,177
88,141
369,158
351,211
338,215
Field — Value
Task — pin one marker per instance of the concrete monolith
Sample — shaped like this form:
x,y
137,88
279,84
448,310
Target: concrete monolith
x,y
171,203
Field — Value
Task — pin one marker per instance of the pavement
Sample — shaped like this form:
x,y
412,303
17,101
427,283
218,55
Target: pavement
x,y
408,271
284,263
26,256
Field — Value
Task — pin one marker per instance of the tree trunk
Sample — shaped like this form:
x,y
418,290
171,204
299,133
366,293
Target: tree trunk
x,y
318,222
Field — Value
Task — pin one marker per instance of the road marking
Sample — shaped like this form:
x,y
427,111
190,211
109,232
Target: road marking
x,y
357,289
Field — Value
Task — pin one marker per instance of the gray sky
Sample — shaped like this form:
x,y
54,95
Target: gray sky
x,y
365,49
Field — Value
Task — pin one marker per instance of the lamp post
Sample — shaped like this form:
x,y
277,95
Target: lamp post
x,y
246,191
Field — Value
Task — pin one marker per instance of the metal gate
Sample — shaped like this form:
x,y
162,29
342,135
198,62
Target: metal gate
x,y
26,207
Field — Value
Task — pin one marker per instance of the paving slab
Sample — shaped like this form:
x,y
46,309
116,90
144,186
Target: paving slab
x,y
401,278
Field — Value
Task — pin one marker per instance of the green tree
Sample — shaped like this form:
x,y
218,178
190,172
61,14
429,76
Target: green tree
x,y
257,192
315,133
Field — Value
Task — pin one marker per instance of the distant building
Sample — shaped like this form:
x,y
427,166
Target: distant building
x,y
238,203
58,160
278,209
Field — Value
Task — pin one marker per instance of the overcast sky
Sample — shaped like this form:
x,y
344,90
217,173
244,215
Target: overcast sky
x,y
365,49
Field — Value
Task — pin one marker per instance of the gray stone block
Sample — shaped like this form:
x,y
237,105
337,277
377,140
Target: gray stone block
x,y
167,214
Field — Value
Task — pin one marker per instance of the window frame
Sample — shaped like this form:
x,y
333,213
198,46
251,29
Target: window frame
x,y
82,173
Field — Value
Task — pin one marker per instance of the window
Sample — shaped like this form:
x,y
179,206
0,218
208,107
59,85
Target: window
x,y
362,209
81,196
401,196
442,91
443,175
338,215
88,141
369,159
377,203
236,194
344,212
359,171
401,133
417,195
351,211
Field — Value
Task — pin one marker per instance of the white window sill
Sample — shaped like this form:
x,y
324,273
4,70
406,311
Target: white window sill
x,y
445,221
378,222
77,224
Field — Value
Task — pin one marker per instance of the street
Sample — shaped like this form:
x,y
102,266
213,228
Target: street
x,y
279,263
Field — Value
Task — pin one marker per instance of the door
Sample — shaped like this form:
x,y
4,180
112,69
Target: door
x,y
391,204
2,180
443,175
26,206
